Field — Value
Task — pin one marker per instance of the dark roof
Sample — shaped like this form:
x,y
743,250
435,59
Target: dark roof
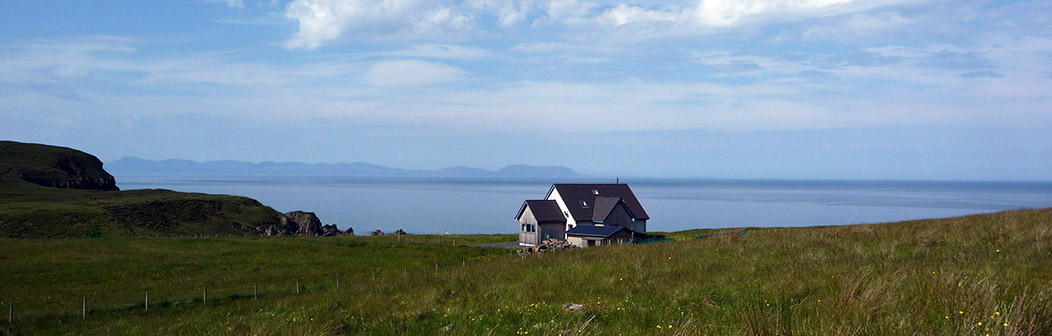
x,y
544,211
603,206
573,194
595,231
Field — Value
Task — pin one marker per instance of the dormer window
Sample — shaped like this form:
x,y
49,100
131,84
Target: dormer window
x,y
584,204
596,192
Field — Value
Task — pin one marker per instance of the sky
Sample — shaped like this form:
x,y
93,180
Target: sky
x,y
764,89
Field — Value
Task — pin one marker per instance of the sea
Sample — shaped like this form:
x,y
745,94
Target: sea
x,y
468,206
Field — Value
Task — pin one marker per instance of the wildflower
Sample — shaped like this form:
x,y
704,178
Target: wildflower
x,y
980,323
670,326
960,312
998,251
997,313
1006,324
659,326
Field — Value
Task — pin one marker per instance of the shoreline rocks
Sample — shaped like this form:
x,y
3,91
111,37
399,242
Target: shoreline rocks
x,y
302,223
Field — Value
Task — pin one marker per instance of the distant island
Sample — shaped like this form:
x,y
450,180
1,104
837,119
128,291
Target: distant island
x,y
131,166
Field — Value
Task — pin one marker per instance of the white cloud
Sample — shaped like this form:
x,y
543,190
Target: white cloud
x,y
230,3
728,13
624,14
321,21
411,73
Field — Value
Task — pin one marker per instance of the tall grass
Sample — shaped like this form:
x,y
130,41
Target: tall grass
x,y
974,275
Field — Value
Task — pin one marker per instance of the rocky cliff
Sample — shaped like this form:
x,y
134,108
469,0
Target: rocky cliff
x,y
53,166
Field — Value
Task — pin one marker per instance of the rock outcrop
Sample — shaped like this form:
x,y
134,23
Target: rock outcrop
x,y
301,223
330,230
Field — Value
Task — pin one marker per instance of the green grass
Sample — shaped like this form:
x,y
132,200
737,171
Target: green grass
x,y
928,277
31,211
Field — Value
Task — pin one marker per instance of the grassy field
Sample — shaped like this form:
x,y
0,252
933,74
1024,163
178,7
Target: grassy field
x,y
975,275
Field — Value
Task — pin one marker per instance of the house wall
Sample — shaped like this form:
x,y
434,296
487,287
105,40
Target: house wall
x,y
527,238
576,241
618,217
640,226
622,237
554,196
555,230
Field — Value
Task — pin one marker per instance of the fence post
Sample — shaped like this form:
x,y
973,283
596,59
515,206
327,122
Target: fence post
x,y
206,296
147,304
255,291
84,309
374,275
337,281
297,286
11,312
436,267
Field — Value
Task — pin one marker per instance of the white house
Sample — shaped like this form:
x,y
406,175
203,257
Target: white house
x,y
584,215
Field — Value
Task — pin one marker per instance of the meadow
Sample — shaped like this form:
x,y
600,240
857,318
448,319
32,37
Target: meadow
x,y
973,275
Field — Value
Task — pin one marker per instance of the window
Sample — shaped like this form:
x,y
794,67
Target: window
x,y
529,228
633,219
595,192
584,204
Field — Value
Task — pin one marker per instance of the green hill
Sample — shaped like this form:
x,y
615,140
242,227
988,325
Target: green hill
x,y
53,166
48,191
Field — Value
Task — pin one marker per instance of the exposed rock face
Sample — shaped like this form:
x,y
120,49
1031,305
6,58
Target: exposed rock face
x,y
300,223
53,166
330,230
303,223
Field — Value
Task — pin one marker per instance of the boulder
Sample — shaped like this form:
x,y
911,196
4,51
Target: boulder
x,y
303,223
330,230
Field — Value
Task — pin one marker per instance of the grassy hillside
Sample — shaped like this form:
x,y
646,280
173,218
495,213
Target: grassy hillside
x,y
49,191
53,166
31,211
974,275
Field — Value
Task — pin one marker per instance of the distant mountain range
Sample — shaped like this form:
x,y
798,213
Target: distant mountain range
x,y
130,166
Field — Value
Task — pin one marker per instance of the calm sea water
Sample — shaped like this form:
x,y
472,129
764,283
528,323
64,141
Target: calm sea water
x,y
489,206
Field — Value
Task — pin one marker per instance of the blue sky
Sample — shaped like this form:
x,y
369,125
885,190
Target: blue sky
x,y
812,89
